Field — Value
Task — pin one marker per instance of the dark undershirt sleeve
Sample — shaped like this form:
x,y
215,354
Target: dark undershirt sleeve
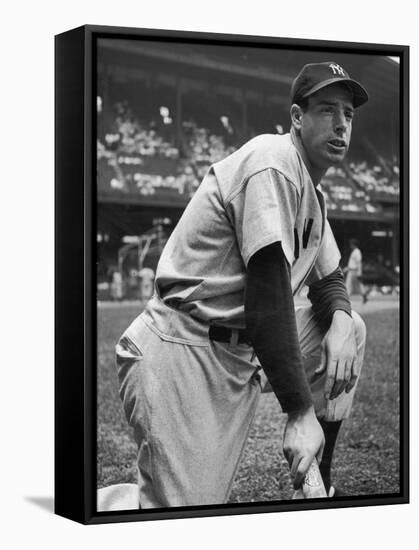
x,y
270,320
327,296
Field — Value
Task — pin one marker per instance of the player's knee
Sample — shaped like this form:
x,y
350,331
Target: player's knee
x,y
360,328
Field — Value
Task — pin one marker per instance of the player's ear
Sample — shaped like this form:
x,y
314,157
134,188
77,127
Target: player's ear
x,y
296,116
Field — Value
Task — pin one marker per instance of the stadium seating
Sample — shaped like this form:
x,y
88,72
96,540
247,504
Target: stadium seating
x,y
140,158
375,179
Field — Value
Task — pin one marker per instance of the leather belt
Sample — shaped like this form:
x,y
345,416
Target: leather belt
x,y
224,334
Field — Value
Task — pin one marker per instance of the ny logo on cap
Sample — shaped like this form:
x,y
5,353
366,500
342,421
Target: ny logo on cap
x,y
337,69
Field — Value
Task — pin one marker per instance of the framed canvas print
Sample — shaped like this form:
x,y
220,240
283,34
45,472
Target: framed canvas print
x,y
231,274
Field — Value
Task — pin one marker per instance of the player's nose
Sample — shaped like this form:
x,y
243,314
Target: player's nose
x,y
340,123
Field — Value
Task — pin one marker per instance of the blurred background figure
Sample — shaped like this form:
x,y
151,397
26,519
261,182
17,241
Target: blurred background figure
x,y
117,291
146,276
354,272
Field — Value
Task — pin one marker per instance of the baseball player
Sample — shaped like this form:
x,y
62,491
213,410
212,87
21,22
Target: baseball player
x,y
222,325
146,276
354,272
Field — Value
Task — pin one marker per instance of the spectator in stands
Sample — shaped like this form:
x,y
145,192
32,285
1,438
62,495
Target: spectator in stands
x,y
354,272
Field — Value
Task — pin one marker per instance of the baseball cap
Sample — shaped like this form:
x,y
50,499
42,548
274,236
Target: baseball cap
x,y
315,76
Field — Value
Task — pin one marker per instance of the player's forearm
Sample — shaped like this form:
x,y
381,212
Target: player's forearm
x,y
270,320
329,295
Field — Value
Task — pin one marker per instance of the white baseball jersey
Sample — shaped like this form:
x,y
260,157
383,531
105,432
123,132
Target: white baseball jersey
x,y
259,195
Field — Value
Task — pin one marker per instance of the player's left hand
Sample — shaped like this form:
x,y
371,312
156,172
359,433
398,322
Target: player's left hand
x,y
339,356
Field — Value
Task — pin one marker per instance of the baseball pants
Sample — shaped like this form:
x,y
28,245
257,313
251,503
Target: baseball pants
x,y
191,401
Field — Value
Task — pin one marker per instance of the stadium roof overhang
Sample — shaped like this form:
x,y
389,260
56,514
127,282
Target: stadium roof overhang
x,y
379,74
273,69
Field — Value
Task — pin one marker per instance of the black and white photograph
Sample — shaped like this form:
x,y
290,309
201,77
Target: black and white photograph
x,y
249,274
209,233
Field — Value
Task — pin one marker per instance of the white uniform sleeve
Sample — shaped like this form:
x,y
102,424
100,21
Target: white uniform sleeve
x,y
264,212
328,258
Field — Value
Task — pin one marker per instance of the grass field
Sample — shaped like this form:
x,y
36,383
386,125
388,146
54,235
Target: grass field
x,y
367,454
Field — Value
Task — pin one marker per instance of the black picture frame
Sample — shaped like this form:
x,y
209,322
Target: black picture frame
x,y
75,273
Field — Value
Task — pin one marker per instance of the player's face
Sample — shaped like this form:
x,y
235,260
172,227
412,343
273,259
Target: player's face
x,y
326,126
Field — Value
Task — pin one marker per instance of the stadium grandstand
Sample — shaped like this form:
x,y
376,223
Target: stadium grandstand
x,y
166,111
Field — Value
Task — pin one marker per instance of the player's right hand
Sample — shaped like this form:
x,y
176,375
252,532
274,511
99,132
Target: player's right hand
x,y
303,442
